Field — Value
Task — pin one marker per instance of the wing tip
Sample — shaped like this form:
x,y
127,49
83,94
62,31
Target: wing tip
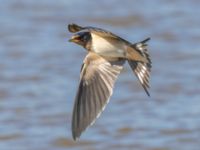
x,y
74,27
76,132
75,135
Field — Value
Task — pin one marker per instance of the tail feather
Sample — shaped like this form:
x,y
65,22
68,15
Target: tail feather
x,y
142,69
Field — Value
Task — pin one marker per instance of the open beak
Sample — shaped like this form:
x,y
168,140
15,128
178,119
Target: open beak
x,y
74,39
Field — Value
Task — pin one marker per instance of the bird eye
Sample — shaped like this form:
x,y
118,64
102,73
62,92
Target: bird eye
x,y
84,37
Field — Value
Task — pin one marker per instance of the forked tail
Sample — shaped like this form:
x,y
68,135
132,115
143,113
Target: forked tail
x,y
142,69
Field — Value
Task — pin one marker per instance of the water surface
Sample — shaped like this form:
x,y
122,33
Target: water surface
x,y
39,72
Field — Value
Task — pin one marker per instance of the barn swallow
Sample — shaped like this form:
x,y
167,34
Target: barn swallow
x,y
106,55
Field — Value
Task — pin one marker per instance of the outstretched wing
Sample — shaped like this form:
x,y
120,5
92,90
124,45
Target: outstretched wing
x,y
97,79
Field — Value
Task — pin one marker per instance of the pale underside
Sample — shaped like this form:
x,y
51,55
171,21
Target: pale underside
x,y
105,46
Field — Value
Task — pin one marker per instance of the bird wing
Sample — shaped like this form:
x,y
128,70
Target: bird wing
x,y
97,79
74,28
98,31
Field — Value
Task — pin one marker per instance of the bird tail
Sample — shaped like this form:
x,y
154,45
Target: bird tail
x,y
142,69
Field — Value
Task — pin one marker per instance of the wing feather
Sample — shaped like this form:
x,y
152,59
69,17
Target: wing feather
x,y
98,76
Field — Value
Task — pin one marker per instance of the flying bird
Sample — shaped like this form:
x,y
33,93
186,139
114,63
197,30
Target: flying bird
x,y
106,55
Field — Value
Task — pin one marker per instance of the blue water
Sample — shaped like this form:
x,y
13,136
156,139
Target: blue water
x,y
39,73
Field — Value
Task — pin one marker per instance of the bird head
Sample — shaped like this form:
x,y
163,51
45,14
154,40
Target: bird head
x,y
81,38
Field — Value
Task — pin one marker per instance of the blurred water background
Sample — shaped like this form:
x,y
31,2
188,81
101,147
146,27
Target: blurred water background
x,y
39,73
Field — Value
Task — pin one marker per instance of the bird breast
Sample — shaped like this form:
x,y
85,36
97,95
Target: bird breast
x,y
107,46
